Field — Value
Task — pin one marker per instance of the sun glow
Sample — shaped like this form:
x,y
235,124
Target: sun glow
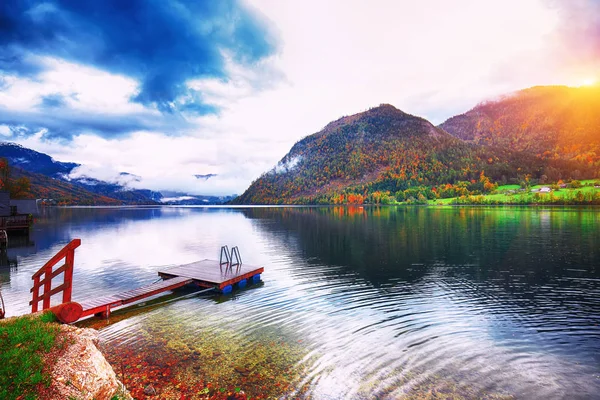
x,y
589,82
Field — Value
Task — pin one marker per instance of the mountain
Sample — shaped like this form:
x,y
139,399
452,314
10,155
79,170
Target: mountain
x,y
204,177
51,179
550,122
76,188
33,161
370,153
385,154
61,192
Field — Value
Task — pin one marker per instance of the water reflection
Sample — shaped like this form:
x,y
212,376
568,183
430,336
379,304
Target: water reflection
x,y
386,302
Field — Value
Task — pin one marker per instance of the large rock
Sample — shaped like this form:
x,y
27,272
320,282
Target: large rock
x,y
82,372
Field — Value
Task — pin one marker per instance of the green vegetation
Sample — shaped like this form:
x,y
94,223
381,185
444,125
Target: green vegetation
x,y
575,193
23,343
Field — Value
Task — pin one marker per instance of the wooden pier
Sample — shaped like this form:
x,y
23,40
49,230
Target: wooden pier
x,y
210,273
221,276
103,305
18,222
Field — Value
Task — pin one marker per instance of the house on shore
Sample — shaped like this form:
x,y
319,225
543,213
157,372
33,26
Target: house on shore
x,y
16,214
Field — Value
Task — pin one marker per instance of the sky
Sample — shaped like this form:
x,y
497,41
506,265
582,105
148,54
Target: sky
x,y
170,89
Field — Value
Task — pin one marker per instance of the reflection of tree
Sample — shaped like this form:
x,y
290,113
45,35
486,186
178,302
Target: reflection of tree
x,y
539,264
390,243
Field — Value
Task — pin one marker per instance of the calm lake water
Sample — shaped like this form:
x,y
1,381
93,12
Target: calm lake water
x,y
354,303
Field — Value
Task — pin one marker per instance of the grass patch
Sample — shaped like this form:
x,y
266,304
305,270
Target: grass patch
x,y
23,342
507,187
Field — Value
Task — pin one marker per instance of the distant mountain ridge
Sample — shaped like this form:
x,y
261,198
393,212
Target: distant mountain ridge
x,y
541,134
51,179
33,161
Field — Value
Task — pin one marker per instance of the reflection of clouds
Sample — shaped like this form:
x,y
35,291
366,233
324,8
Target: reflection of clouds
x,y
127,250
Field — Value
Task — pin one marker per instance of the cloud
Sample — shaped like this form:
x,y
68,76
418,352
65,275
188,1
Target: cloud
x,y
580,25
5,130
579,33
68,123
159,162
161,44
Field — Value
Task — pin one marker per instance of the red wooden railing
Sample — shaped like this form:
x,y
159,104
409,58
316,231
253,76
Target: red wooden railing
x,y
68,253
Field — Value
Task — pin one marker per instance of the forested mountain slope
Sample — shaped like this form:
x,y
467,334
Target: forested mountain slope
x,y
385,152
550,122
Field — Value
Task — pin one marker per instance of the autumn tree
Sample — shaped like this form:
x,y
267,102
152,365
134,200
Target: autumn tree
x,y
18,188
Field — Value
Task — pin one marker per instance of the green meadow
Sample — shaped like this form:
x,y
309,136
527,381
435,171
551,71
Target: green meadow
x,y
588,193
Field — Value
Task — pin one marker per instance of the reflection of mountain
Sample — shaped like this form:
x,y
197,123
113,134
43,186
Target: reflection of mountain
x,y
527,270
388,244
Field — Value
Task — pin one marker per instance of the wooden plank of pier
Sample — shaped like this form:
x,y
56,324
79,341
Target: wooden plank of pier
x,y
103,305
205,273
209,273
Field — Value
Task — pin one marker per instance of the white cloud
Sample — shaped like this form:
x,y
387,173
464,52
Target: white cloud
x,y
161,162
84,88
5,130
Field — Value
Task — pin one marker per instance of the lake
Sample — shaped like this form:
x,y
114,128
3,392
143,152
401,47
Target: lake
x,y
354,303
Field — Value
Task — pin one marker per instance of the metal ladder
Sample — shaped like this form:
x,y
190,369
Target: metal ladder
x,y
229,256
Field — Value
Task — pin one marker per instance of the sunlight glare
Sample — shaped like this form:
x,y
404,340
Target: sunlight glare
x,y
589,82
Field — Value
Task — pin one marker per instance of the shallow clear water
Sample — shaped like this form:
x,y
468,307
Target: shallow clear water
x,y
355,302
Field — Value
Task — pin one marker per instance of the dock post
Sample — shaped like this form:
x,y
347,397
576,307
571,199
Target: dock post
x,y
104,314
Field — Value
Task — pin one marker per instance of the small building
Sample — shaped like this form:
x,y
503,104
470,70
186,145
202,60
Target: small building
x,y
26,206
16,214
10,206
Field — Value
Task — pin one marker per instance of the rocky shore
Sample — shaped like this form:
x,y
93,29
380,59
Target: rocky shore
x,y
81,371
